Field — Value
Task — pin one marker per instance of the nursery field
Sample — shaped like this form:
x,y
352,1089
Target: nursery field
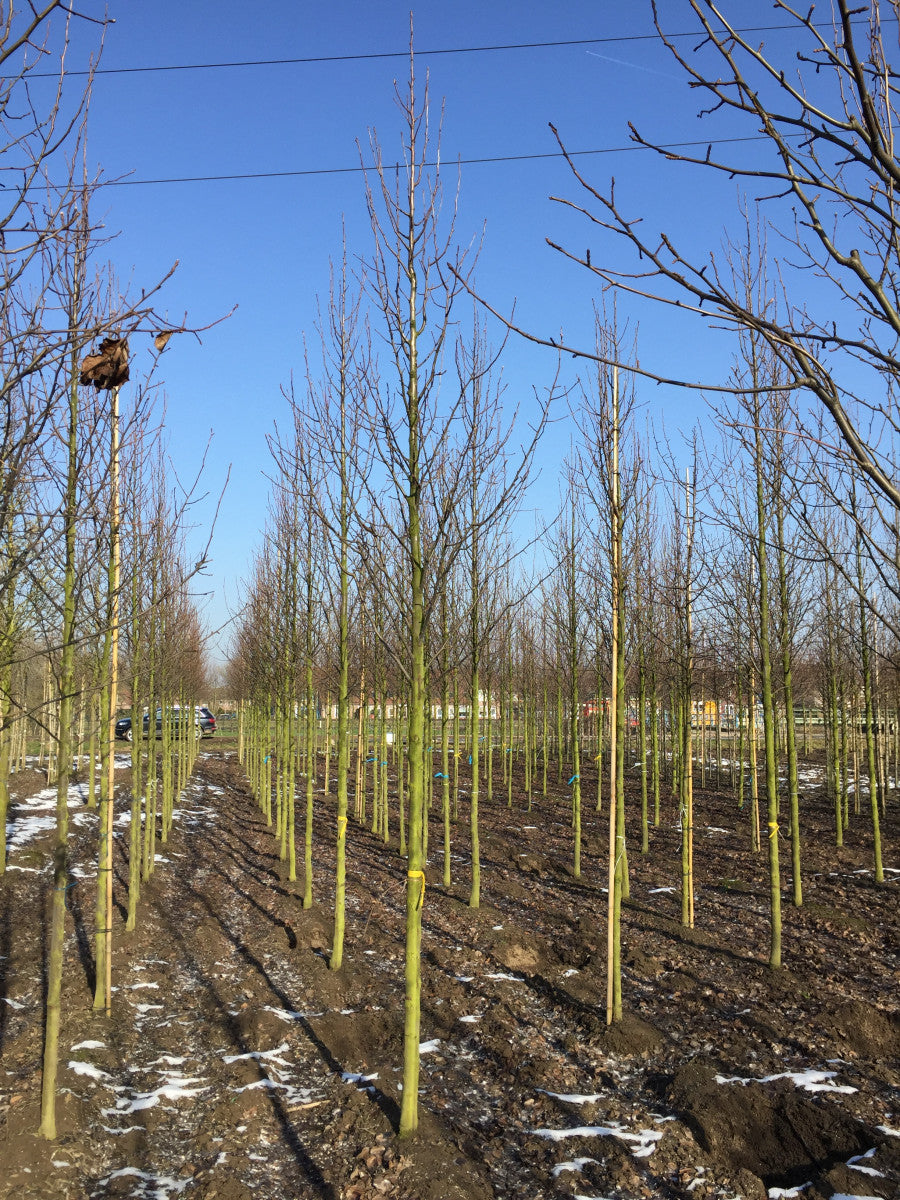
x,y
235,1064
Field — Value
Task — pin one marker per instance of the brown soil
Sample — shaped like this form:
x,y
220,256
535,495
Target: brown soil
x,y
236,1065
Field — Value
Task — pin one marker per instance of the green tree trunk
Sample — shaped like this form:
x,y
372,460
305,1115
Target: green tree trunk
x,y
768,702
642,748
68,645
793,786
869,715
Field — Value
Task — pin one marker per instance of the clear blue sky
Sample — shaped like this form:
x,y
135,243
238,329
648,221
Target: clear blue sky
x,y
264,244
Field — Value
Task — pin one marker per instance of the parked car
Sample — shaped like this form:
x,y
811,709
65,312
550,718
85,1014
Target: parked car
x,y
203,721
207,721
123,728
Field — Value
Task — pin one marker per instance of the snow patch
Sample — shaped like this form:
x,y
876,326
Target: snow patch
x,y
575,1164
89,1070
644,1140
288,1014
572,1098
259,1056
151,1186
28,819
855,1164
809,1081
175,1086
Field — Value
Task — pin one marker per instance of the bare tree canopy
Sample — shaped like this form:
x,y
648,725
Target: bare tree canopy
x,y
826,178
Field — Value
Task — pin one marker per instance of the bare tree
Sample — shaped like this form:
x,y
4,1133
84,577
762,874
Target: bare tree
x,y
828,179
426,432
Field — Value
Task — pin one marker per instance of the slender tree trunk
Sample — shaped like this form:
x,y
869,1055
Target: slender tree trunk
x,y
343,719
56,946
572,647
616,702
475,649
768,701
103,941
445,734
869,715
686,783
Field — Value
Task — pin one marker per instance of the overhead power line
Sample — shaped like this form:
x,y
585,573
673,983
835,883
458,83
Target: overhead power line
x,y
404,54
387,168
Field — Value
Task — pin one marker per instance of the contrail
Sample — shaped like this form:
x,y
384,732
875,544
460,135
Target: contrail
x,y
620,62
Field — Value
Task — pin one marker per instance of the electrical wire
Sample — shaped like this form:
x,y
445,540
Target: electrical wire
x,y
386,168
404,54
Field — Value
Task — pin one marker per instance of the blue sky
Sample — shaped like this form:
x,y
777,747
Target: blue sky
x,y
265,244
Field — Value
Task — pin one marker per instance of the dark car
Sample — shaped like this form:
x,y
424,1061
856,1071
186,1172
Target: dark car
x,y
204,723
207,721
123,729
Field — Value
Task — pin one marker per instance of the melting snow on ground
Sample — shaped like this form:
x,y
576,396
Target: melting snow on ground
x,y
150,1186
856,1164
258,1055
811,777
643,1142
175,1085
275,1074
809,1081
289,1014
89,1070
575,1164
28,819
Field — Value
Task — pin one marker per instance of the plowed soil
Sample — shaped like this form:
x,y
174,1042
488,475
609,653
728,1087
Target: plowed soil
x,y
235,1064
